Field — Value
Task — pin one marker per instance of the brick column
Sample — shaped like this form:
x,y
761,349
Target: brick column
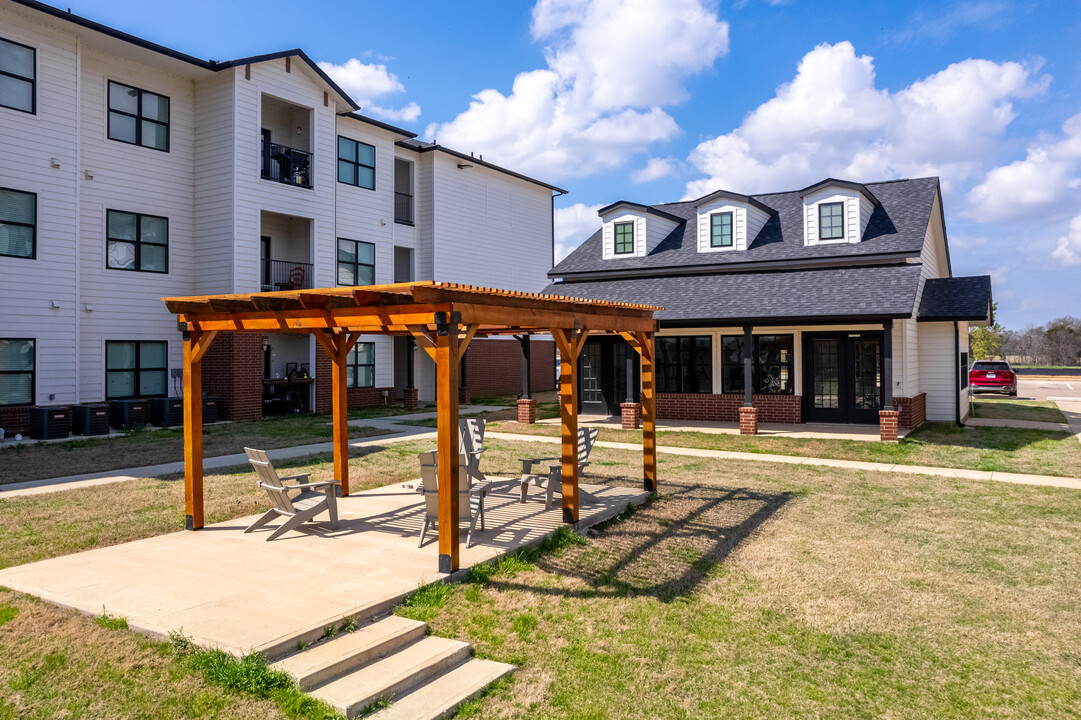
x,y
233,372
527,411
887,425
748,421
631,414
463,395
410,397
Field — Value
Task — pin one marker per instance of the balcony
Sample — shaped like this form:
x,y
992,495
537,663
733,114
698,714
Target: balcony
x,y
403,208
286,275
287,165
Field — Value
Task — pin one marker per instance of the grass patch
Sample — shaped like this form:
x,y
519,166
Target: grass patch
x,y
1038,410
1039,452
111,622
425,602
153,447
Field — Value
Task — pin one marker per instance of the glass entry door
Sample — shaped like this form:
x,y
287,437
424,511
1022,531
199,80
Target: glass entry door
x,y
592,394
843,377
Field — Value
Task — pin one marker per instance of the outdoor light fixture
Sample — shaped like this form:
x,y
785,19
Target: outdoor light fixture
x,y
463,166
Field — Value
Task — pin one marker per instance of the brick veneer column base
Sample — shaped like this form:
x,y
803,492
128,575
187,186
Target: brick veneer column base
x,y
725,408
233,371
748,421
527,411
887,425
913,410
410,397
631,413
464,395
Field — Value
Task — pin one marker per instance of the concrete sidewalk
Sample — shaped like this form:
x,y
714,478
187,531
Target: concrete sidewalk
x,y
1020,424
1016,478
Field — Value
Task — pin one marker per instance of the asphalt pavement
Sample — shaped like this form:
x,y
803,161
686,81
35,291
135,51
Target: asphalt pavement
x,y
1049,389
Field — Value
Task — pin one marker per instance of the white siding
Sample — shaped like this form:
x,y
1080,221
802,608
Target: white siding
x,y
857,212
747,222
657,229
938,369
215,161
608,234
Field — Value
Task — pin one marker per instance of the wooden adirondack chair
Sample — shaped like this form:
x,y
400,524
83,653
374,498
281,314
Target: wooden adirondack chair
x,y
472,438
298,509
552,482
470,497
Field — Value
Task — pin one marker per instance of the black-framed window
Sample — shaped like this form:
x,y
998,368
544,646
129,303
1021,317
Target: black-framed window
x,y
684,364
720,230
356,262
356,163
17,371
138,117
831,221
772,364
963,375
360,366
134,241
18,223
136,368
18,76
624,238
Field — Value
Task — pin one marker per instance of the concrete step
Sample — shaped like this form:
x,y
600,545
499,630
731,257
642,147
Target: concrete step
x,y
287,644
441,697
394,675
341,654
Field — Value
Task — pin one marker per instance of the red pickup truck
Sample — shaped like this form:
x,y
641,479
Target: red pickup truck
x,y
993,376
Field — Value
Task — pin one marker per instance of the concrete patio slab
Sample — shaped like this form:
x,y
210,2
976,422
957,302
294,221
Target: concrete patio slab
x,y
235,591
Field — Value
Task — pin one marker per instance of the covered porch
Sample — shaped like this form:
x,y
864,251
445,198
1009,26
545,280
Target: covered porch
x,y
442,318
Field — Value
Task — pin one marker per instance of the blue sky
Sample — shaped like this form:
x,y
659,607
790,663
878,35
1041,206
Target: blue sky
x,y
657,100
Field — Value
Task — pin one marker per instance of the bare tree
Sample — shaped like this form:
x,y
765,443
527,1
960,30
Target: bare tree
x,y
1062,341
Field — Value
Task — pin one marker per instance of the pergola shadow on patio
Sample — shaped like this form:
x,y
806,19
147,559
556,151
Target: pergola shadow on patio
x,y
442,318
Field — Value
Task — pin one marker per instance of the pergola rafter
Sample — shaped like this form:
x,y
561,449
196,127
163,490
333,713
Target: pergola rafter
x,y
443,318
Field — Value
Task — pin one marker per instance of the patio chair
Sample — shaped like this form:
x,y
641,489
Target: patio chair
x,y
470,496
471,438
297,509
553,481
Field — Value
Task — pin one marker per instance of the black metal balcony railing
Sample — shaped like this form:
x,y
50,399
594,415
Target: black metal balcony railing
x,y
403,208
287,165
286,275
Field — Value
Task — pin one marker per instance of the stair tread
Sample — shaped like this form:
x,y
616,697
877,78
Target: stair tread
x,y
442,695
311,661
381,678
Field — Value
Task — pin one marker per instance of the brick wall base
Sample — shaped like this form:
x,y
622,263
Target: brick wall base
x,y
631,415
887,425
748,421
233,371
527,411
725,408
15,419
410,397
494,367
913,410
464,395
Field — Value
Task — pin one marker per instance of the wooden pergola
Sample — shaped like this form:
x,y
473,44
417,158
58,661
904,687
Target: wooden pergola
x,y
443,318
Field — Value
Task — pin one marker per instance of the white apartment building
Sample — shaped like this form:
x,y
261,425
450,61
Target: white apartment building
x,y
130,171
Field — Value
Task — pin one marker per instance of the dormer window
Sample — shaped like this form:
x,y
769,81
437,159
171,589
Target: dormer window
x,y
624,238
720,230
831,221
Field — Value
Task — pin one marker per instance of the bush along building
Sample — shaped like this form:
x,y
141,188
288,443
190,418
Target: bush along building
x,y
132,171
835,303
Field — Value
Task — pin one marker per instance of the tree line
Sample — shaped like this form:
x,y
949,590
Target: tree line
x,y
1056,343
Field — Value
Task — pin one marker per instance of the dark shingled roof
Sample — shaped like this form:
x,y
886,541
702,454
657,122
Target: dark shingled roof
x,y
958,298
883,291
897,226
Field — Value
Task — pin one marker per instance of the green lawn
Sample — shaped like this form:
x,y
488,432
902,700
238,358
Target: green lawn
x,y
1039,452
1038,410
745,590
152,447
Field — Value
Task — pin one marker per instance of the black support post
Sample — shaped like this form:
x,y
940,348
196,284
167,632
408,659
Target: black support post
x,y
887,364
747,346
526,367
410,346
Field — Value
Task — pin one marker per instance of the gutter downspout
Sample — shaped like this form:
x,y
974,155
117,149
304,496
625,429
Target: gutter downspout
x,y
957,372
554,196
78,309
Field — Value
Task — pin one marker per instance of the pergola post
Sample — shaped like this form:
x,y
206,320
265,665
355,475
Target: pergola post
x,y
446,390
337,346
527,392
649,413
570,344
196,343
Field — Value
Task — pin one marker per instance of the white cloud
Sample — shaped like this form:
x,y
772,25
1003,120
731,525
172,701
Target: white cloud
x,y
573,225
1068,250
367,81
1045,180
940,25
655,169
611,67
831,119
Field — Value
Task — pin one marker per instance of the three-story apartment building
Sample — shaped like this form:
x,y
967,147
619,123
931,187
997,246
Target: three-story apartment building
x,y
130,171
